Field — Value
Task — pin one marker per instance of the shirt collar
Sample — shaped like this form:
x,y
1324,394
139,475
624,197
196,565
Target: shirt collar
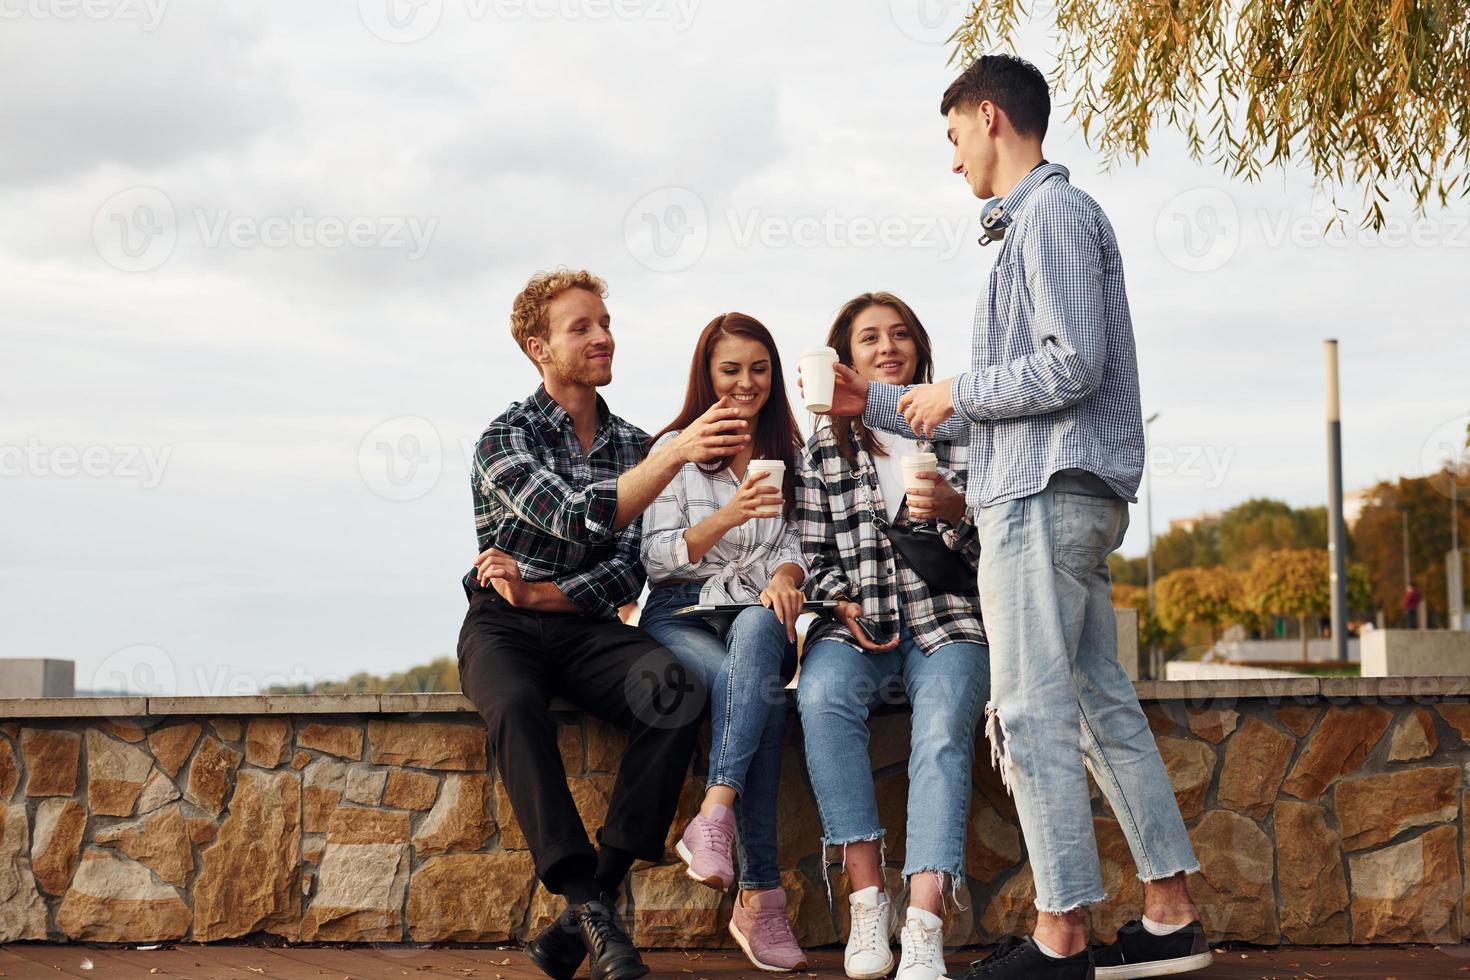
x,y
557,416
1042,171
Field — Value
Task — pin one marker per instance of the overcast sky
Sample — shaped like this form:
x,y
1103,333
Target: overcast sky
x,y
256,262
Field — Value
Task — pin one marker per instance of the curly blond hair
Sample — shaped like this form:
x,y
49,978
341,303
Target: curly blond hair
x,y
528,312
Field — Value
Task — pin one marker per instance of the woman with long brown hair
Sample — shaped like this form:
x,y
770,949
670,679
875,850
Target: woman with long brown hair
x,y
913,624
725,532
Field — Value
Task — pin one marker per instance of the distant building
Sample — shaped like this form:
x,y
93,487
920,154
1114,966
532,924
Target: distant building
x,y
1188,524
37,677
1353,503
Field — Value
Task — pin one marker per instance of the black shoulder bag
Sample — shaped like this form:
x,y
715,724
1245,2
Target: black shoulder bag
x,y
923,548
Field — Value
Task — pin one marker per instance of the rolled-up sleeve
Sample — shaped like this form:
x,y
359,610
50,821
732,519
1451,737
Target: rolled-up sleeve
x,y
509,470
610,584
882,414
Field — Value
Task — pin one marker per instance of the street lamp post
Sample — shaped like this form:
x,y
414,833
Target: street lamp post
x,y
1336,530
1148,491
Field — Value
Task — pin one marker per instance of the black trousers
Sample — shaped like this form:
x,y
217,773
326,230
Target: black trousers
x,y
513,661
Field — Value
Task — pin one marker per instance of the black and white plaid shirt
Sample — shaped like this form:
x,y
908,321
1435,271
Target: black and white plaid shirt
x,y
850,558
542,501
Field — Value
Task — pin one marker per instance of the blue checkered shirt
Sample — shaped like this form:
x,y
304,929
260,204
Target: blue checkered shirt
x,y
1053,379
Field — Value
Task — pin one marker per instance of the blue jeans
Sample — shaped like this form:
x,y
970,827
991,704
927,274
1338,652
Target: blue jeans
x,y
838,686
745,664
1059,695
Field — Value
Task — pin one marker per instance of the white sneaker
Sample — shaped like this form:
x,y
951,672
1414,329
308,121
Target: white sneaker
x,y
923,946
868,955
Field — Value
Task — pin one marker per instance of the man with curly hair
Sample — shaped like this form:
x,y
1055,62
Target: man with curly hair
x,y
559,485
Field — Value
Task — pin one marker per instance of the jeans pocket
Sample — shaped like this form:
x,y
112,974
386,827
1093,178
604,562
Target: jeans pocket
x,y
1084,530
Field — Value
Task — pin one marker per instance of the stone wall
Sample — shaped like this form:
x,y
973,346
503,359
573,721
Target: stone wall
x,y
1324,811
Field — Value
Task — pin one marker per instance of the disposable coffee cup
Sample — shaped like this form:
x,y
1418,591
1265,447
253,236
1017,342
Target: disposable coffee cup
x,y
915,463
772,472
818,378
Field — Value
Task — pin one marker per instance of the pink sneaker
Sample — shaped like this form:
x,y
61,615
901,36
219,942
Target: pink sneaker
x,y
763,932
706,848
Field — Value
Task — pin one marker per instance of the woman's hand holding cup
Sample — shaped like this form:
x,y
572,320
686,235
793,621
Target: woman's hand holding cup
x,y
757,497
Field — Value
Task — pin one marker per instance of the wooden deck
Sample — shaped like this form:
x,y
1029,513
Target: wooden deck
x,y
32,961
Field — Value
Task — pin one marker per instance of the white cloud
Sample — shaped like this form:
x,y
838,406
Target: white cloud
x,y
262,369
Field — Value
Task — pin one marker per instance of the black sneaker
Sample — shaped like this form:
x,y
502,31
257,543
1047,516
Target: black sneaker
x,y
1139,953
612,954
559,949
1021,958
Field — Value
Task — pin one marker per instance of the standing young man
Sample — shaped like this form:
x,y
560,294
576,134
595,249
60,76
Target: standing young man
x,y
559,484
1050,408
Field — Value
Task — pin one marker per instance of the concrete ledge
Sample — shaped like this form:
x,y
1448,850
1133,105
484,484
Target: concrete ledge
x,y
1389,690
72,707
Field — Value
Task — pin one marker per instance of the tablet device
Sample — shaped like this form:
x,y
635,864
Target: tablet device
x,y
735,608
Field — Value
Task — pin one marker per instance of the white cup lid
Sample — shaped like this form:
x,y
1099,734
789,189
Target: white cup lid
x,y
819,352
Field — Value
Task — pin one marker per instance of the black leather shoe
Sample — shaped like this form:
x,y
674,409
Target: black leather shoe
x,y
1016,958
1139,953
612,955
559,949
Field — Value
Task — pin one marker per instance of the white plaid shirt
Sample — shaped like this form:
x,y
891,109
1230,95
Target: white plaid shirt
x,y
741,563
850,558
1053,379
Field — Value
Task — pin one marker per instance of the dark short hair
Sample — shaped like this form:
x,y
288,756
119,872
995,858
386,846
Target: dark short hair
x,y
1015,85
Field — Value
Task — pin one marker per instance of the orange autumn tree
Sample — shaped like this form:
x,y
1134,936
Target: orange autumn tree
x,y
1294,582
1208,597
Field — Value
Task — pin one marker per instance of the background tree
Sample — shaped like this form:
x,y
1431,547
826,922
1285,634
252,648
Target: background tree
x,y
1199,597
1295,583
1289,583
1150,633
1260,525
1370,94
440,674
1378,540
1240,534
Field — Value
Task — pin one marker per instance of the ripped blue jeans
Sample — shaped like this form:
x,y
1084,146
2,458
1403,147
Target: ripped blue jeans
x,y
838,686
1061,704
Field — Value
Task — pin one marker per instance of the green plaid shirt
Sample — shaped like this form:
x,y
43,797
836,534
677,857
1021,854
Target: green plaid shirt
x,y
542,501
